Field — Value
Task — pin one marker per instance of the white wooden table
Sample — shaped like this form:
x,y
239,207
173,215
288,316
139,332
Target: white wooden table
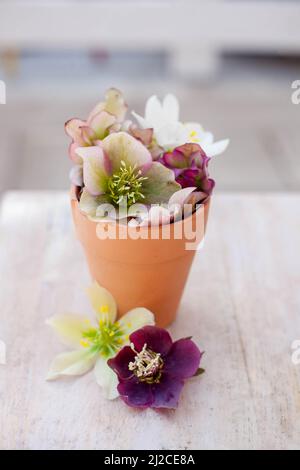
x,y
242,305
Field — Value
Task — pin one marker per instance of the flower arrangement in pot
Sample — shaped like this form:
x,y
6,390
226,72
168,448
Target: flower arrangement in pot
x,y
140,198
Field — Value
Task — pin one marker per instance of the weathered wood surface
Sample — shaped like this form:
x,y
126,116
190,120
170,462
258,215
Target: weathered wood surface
x,y
242,305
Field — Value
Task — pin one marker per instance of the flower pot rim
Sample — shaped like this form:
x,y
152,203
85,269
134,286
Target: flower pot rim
x,y
73,196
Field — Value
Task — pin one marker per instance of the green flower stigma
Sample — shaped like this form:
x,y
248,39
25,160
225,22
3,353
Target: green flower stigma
x,y
105,340
126,184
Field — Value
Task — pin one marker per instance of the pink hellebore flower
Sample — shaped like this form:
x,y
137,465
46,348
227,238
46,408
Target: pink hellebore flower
x,y
105,118
189,164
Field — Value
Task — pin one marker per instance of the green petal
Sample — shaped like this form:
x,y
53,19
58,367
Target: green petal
x,y
72,363
69,327
121,146
160,184
88,203
95,171
106,378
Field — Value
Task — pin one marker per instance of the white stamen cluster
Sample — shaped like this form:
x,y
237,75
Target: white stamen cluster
x,y
146,362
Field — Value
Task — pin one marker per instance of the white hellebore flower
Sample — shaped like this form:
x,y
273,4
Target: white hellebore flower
x,y
169,132
95,342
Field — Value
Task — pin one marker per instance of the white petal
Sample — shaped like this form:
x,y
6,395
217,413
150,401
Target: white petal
x,y
106,378
69,327
135,319
141,121
102,302
154,113
171,108
216,148
71,363
171,135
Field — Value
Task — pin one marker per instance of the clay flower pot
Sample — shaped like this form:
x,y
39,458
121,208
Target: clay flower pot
x,y
142,272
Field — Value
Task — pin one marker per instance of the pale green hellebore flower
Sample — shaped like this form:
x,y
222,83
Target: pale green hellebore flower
x,y
95,342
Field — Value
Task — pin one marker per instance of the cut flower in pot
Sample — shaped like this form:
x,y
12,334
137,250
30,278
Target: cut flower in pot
x,y
140,200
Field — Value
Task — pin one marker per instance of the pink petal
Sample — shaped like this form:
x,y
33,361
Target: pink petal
x,y
73,129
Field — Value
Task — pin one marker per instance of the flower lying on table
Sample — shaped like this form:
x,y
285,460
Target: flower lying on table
x,y
152,370
97,341
117,162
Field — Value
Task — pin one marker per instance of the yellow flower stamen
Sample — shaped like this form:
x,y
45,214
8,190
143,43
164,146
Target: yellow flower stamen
x,y
104,309
84,343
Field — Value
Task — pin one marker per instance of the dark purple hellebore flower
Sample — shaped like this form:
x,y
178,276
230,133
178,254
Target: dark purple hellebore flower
x,y
152,371
189,163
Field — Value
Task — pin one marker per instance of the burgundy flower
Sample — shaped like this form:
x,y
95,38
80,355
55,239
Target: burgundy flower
x,y
189,163
152,371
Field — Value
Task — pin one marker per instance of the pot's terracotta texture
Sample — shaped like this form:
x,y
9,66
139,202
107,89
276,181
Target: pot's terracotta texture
x,y
140,272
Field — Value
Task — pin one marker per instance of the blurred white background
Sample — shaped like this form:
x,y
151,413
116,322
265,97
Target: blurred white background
x,y
231,63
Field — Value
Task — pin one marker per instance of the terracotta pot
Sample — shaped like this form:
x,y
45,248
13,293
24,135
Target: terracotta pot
x,y
142,272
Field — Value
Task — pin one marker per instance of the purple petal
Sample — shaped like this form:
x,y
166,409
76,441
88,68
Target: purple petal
x,y
183,359
120,362
73,155
136,394
174,160
166,393
157,339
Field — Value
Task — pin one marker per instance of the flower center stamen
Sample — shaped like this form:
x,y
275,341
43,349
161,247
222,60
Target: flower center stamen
x,y
105,340
147,365
127,184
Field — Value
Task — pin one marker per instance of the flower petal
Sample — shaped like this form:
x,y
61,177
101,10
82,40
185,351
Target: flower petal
x,y
154,114
160,184
114,104
216,148
123,147
76,175
135,394
183,359
69,327
119,363
73,155
101,122
89,204
144,135
171,108
181,196
171,135
141,121
106,378
71,363
102,302
166,393
95,169
157,339
73,129
135,319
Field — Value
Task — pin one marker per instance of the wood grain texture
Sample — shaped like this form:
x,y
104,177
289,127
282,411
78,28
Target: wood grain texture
x,y
242,305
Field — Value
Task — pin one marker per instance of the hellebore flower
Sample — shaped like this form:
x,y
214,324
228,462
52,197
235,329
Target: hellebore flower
x,y
189,163
120,169
169,132
97,341
106,117
152,371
